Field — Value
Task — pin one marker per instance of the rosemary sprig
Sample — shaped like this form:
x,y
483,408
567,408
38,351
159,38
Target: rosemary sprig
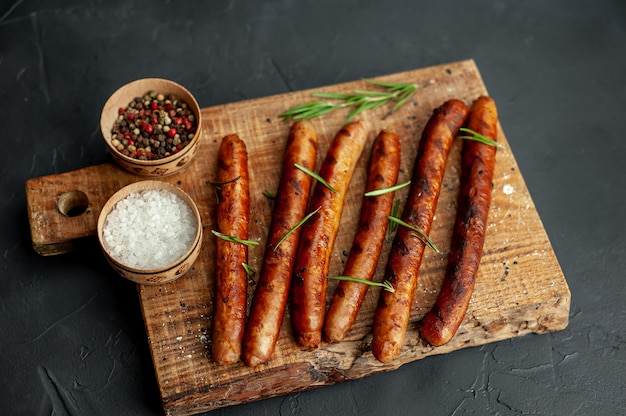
x,y
233,239
418,233
385,284
383,191
472,135
361,100
295,227
315,176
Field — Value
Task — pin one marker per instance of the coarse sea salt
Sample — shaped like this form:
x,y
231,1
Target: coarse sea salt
x,y
149,229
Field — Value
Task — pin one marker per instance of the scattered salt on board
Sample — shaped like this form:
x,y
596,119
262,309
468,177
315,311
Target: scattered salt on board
x,y
149,229
508,189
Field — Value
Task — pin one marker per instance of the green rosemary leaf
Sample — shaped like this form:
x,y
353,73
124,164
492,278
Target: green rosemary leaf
x,y
395,209
400,102
332,96
217,184
418,233
383,191
479,138
385,84
388,286
233,239
315,176
295,227
364,107
385,284
319,111
307,110
371,105
248,270
313,112
371,93
354,112
269,195
351,115
300,108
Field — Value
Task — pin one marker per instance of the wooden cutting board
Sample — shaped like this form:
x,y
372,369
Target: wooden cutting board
x,y
520,287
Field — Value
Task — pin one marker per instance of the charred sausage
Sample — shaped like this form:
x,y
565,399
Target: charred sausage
x,y
369,238
272,291
478,160
394,308
231,279
308,302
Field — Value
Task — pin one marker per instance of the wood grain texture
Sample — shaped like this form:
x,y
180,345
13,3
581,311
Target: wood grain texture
x,y
520,287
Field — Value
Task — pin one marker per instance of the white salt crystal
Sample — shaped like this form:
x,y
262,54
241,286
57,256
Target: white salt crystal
x,y
507,189
149,229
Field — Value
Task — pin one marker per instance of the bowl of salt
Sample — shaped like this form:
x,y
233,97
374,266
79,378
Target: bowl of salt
x,y
150,232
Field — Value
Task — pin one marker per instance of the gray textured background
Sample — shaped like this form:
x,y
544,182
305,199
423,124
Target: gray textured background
x,y
72,338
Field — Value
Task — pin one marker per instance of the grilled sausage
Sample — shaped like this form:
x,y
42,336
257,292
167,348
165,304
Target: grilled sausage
x,y
394,308
308,302
272,291
478,160
231,279
369,237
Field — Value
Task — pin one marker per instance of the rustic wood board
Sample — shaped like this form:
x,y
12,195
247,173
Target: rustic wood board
x,y
520,287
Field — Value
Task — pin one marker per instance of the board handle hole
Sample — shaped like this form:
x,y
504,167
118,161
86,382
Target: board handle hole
x,y
72,203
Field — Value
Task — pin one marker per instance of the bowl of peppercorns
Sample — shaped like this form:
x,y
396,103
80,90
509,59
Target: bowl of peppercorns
x,y
151,126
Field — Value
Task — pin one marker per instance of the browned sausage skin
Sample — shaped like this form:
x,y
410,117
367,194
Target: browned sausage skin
x,y
231,279
272,291
308,303
478,160
394,308
369,238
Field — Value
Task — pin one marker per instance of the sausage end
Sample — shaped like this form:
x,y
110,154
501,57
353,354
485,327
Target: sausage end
x,y
332,335
252,360
226,352
309,340
434,332
386,351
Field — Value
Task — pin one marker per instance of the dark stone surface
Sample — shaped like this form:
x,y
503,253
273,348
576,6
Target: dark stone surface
x,y
73,340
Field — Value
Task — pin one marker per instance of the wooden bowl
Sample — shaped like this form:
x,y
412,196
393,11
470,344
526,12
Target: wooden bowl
x,y
121,99
153,275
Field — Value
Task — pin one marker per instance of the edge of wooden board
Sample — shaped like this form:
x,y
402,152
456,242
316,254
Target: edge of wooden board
x,y
352,359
